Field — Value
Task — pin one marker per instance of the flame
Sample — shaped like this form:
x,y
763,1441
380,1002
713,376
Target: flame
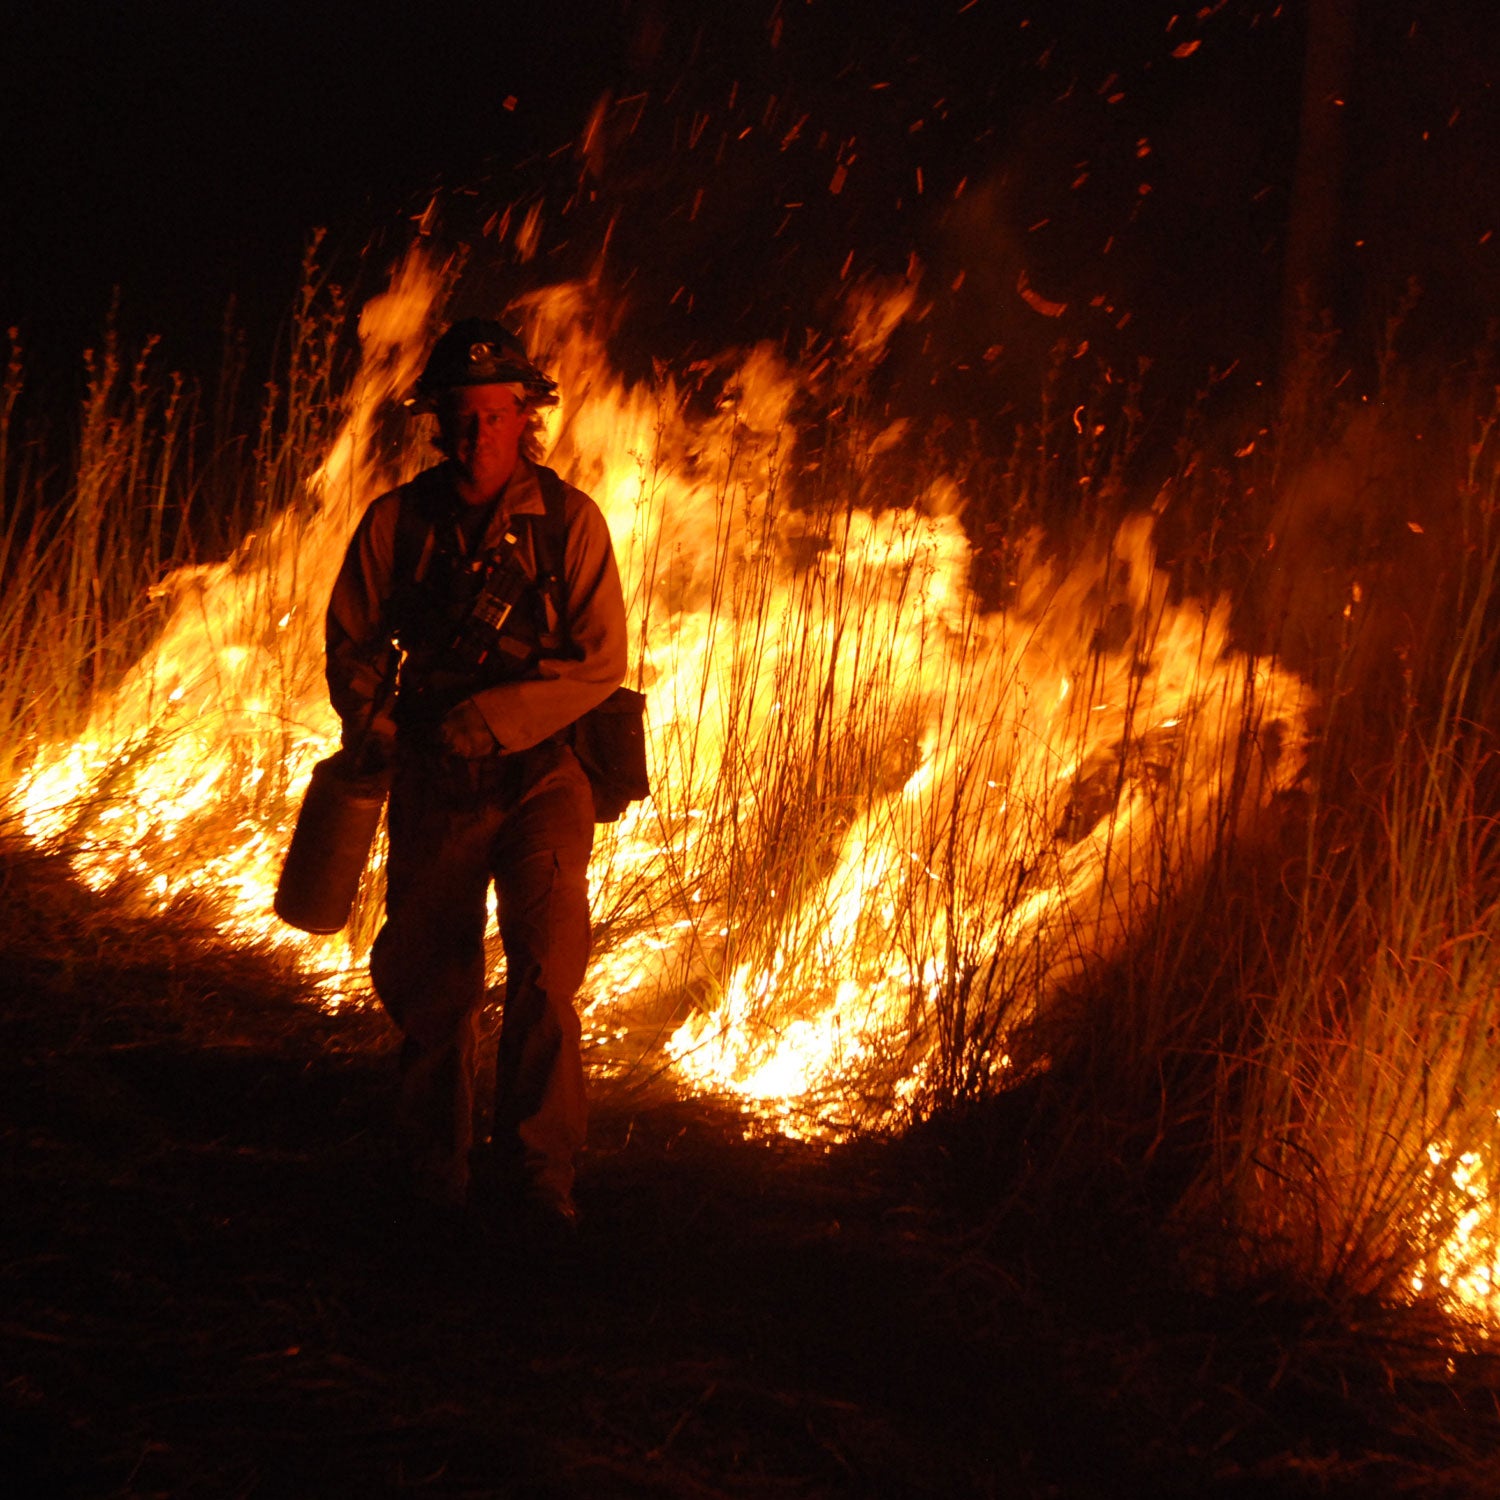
x,y
181,777
1465,1268
886,819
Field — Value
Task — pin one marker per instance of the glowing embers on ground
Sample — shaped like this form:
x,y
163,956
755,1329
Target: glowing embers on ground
x,y
1465,1269
885,821
178,813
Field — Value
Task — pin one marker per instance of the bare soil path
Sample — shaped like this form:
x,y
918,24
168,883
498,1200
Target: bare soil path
x,y
210,1287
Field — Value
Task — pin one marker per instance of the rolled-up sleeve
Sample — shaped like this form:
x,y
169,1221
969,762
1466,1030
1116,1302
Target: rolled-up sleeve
x,y
521,714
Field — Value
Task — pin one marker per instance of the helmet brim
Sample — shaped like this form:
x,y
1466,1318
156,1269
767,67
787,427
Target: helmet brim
x,y
539,390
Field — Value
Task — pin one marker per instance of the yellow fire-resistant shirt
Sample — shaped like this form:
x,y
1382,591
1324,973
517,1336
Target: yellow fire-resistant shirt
x,y
520,714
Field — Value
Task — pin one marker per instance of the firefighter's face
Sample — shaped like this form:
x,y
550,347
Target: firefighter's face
x,y
480,428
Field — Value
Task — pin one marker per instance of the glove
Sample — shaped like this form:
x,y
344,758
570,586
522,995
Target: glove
x,y
465,733
376,755
370,745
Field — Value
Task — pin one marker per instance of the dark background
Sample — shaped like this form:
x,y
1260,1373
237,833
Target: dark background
x,y
181,153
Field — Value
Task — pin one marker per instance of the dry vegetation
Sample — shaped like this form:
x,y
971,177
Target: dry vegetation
x,y
1278,1090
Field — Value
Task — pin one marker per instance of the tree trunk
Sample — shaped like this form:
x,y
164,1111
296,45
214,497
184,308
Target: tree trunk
x,y
1313,217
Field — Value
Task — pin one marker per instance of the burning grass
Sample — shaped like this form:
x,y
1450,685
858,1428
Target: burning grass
x,y
908,843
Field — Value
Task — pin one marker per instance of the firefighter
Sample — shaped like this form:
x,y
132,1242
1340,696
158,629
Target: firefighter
x,y
485,787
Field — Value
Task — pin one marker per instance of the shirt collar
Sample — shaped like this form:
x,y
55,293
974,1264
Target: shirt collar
x,y
523,491
522,496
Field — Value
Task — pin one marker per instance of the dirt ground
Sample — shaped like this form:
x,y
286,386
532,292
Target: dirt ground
x,y
210,1286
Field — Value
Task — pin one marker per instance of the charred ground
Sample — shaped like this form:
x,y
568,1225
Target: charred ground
x,y
212,1288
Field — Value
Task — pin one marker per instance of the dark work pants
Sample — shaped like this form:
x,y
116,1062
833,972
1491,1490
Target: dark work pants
x,y
529,830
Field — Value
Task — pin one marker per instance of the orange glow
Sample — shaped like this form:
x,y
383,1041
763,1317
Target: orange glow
x,y
878,806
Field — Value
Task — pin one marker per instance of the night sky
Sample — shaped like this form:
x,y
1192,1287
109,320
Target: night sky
x,y
1129,163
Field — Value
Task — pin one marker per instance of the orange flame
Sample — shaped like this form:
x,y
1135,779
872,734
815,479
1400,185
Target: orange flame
x,y
880,810
180,778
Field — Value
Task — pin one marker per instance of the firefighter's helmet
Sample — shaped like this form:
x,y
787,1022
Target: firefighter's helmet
x,y
479,351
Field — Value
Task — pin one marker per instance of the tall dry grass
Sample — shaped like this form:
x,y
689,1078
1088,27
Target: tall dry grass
x,y
1271,1004
1356,1124
154,481
1294,1058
